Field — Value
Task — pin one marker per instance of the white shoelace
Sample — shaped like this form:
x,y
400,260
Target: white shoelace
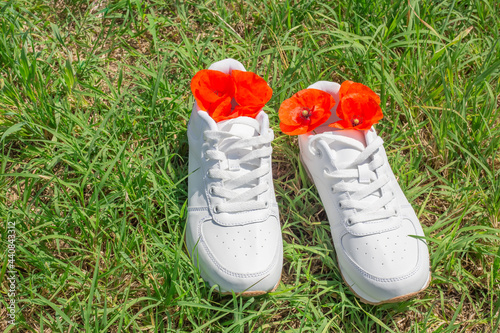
x,y
250,151
366,210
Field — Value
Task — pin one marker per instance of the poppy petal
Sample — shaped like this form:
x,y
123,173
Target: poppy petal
x,y
304,111
247,111
344,87
324,103
358,88
211,88
290,110
293,130
222,110
359,107
341,124
251,89
226,96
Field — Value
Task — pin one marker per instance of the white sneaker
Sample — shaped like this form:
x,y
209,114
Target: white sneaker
x,y
371,221
233,231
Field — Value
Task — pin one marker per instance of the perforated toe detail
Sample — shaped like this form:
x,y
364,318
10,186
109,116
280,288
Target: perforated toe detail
x,y
247,249
386,255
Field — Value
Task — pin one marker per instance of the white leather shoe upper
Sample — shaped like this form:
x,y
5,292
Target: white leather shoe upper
x,y
371,221
233,232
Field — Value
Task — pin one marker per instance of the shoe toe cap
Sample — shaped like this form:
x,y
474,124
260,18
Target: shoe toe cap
x,y
244,258
387,265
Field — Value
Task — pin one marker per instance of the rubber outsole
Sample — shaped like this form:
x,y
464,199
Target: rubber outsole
x,y
252,293
391,300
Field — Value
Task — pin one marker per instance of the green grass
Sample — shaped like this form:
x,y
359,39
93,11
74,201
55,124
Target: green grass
x,y
94,102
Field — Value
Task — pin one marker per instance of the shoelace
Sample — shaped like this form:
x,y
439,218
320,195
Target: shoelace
x,y
254,149
365,211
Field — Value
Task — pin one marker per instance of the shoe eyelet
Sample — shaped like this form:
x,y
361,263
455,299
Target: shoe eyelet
x,y
315,151
266,204
340,203
216,209
348,221
211,190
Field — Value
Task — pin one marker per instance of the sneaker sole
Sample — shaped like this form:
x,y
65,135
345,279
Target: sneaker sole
x,y
363,300
253,292
391,300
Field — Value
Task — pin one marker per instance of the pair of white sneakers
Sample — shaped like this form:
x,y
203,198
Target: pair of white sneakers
x,y
233,229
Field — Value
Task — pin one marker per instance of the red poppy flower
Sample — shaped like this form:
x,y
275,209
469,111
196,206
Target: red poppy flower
x,y
213,91
359,107
226,96
305,111
252,93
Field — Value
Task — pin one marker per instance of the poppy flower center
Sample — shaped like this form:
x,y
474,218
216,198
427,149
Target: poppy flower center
x,y
306,112
218,93
356,120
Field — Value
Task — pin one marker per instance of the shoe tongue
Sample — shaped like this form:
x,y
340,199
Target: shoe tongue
x,y
348,151
244,127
